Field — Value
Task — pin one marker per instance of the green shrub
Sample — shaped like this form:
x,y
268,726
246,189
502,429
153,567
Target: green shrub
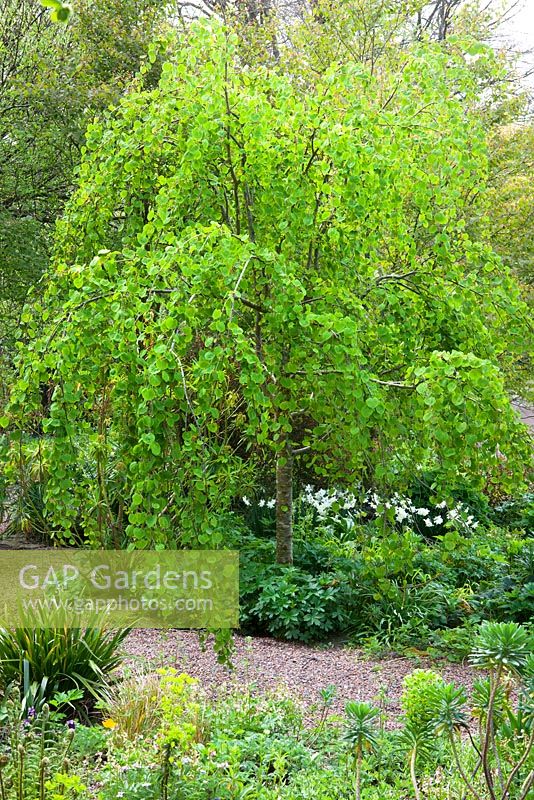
x,y
517,513
291,604
510,597
417,700
421,493
89,742
454,644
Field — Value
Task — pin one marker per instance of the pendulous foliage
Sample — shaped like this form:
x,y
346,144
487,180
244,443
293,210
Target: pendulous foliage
x,y
254,268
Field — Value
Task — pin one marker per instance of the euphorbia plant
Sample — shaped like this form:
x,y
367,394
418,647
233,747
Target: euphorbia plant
x,y
505,649
417,735
361,733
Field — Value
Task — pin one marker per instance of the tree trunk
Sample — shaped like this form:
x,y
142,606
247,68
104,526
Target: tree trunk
x,y
284,506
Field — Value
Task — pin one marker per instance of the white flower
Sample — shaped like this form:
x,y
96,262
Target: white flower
x,y
438,520
454,513
428,523
443,504
423,512
270,503
401,514
261,503
246,501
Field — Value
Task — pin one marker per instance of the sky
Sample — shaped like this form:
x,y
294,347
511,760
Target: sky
x,y
518,30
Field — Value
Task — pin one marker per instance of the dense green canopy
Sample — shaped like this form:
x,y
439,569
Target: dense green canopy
x,y
53,79
251,266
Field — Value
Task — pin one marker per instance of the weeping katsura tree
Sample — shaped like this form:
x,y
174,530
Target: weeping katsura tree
x,y
253,271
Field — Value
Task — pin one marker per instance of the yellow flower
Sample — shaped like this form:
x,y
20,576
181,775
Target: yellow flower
x,y
109,723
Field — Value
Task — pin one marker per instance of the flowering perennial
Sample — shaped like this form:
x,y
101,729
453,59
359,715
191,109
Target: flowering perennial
x,y
342,505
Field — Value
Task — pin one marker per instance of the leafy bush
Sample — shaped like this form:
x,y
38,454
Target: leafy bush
x,y
181,723
516,513
292,604
90,742
453,644
419,688
422,493
394,587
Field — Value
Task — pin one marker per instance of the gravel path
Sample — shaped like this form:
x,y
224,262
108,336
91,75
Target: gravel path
x,y
526,412
268,664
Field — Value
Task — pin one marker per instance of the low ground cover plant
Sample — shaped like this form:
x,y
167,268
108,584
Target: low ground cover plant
x,y
240,744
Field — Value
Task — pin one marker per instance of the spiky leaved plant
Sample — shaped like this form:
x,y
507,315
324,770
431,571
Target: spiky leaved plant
x,y
450,718
416,739
361,733
504,649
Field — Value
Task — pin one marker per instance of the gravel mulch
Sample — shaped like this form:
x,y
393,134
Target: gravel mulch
x,y
526,412
267,664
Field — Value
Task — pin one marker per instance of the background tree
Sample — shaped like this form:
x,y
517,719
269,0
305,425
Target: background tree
x,y
511,201
53,80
